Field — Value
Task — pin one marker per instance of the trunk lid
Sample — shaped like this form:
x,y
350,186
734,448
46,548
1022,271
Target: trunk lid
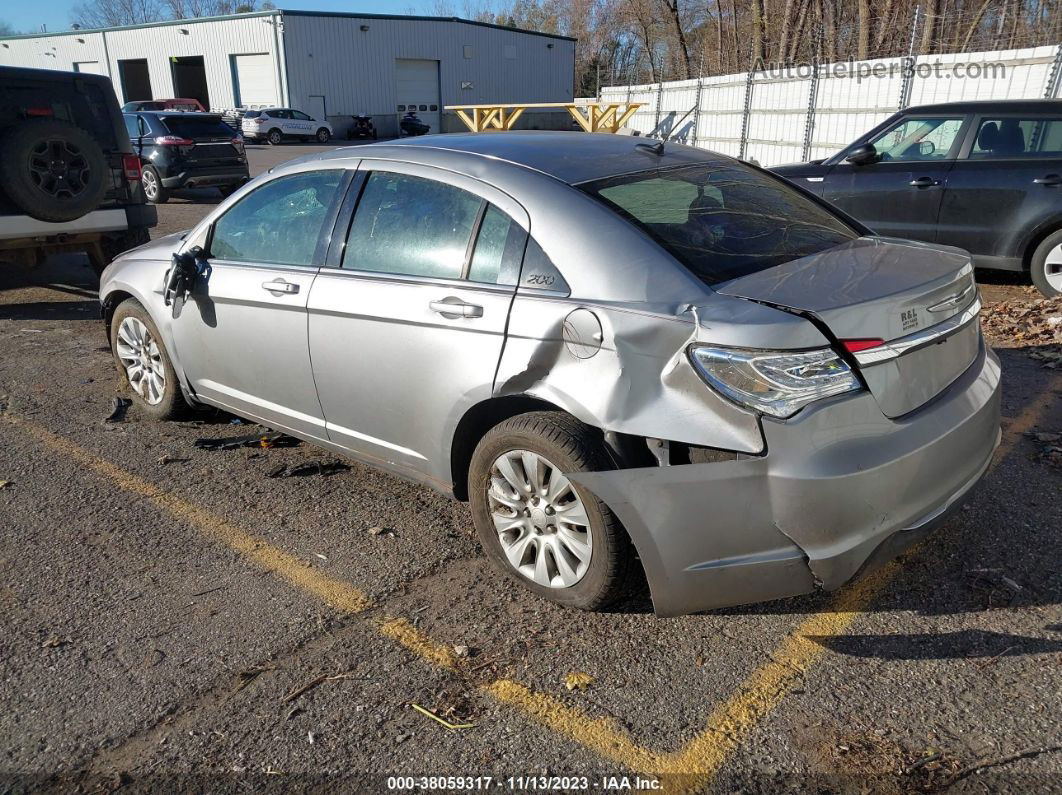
x,y
920,299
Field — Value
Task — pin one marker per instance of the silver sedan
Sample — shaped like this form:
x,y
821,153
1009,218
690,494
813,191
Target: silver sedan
x,y
621,353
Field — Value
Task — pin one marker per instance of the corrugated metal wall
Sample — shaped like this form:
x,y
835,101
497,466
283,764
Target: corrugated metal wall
x,y
215,40
783,118
355,70
326,55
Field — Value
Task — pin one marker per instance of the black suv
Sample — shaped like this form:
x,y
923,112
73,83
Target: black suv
x,y
69,180
186,150
984,176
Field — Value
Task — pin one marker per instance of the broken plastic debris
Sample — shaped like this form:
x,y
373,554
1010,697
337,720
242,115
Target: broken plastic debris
x,y
577,680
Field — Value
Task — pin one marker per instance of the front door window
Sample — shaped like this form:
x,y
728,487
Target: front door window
x,y
918,140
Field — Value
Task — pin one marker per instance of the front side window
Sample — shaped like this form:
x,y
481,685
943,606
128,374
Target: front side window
x,y
298,114
411,226
279,223
1015,137
918,139
722,221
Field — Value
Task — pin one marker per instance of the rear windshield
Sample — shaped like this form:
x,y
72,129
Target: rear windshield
x,y
252,114
722,221
198,127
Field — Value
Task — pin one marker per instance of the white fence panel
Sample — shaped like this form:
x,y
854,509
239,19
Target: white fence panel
x,y
774,126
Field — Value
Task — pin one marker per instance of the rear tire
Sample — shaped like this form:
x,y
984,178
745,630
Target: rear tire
x,y
53,170
562,444
153,190
141,358
275,137
1045,267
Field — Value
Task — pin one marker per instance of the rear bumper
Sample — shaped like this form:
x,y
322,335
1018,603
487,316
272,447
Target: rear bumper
x,y
842,488
212,177
97,222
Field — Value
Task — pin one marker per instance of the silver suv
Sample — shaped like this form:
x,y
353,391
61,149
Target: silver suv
x,y
620,353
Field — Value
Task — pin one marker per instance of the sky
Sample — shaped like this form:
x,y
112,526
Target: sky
x,y
28,17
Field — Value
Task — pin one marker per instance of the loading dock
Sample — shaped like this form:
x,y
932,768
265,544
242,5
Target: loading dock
x,y
189,78
135,79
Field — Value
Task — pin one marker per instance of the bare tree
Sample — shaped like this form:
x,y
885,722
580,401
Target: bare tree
x,y
113,13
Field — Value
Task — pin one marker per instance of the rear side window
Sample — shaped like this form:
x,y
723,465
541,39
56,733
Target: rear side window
x,y
722,221
280,223
499,246
198,127
132,126
1016,137
412,226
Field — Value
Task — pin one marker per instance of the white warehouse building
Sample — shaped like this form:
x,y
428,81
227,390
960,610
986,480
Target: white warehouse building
x,y
329,65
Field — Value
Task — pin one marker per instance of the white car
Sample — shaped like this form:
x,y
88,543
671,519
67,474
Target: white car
x,y
276,124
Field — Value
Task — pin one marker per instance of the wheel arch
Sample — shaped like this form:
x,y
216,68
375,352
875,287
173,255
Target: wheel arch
x,y
109,305
1036,237
474,425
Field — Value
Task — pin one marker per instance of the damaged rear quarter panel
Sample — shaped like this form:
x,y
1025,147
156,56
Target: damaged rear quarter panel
x,y
640,380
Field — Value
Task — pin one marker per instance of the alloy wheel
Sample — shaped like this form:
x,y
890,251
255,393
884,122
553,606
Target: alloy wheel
x,y
59,168
1053,268
142,359
151,184
541,521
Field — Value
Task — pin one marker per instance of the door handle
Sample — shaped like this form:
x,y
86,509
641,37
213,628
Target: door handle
x,y
452,307
280,286
1050,179
924,182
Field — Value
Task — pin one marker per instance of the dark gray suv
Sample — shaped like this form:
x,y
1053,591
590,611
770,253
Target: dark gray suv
x,y
984,176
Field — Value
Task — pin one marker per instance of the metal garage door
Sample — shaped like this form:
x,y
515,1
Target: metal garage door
x,y
89,67
417,83
254,79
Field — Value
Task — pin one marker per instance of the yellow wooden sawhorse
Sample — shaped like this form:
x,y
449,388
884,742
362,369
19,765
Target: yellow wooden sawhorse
x,y
592,118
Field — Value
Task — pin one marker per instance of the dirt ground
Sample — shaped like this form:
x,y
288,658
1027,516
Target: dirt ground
x,y
174,618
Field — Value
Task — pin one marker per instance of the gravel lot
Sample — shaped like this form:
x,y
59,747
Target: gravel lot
x,y
174,618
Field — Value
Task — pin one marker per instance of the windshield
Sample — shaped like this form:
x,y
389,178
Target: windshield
x,y
722,221
199,127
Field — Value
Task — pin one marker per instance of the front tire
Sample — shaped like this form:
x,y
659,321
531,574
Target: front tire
x,y
553,537
1045,268
143,363
323,136
153,190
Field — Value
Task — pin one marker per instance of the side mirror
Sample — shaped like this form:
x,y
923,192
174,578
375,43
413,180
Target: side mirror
x,y
186,268
862,155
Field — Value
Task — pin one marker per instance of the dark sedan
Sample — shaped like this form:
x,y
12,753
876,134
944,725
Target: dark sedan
x,y
983,176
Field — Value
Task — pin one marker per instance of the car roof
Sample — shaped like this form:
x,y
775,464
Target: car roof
x,y
171,113
572,157
990,105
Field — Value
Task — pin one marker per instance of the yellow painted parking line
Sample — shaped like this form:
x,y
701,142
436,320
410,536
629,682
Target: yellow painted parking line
x,y
341,595
690,768
400,630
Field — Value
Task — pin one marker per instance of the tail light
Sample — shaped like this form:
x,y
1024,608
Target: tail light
x,y
37,112
131,167
237,144
855,346
174,140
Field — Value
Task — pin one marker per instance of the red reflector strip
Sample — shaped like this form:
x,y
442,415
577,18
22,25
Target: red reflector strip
x,y
39,112
855,346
